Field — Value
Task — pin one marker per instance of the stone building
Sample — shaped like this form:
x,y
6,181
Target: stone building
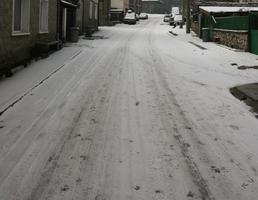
x,y
66,18
136,6
104,15
23,23
87,15
120,4
26,24
151,6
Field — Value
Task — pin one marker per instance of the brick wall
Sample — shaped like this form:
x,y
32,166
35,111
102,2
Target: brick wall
x,y
16,48
231,38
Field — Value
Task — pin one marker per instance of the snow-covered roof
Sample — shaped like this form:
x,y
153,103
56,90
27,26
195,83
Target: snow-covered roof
x,y
218,9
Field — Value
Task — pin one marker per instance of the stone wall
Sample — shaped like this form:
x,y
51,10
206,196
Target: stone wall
x,y
195,27
82,16
104,16
16,48
151,6
231,38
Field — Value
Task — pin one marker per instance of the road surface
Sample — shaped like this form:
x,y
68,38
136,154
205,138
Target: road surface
x,y
140,114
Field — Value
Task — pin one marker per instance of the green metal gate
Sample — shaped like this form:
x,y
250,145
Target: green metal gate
x,y
253,33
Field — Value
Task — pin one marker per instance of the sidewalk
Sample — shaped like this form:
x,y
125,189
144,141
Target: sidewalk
x,y
36,72
238,63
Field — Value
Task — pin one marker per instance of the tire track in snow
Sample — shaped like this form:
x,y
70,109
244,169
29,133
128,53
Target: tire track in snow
x,y
22,144
41,190
161,84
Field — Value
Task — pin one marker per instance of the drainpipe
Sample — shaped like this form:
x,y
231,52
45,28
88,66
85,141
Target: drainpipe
x,y
57,19
98,14
188,21
83,17
183,9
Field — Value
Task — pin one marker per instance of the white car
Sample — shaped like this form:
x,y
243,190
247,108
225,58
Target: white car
x,y
143,16
130,18
137,17
178,19
167,18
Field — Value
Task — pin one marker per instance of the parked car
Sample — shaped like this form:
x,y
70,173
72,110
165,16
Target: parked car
x,y
137,17
144,16
178,19
167,18
130,18
172,21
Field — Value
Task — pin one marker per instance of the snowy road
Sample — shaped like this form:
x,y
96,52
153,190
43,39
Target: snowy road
x,y
139,115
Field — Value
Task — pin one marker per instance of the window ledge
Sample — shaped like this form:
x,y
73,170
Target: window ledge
x,y
43,32
20,34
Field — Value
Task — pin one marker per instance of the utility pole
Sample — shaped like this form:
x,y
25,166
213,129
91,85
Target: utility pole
x,y
134,6
183,9
188,21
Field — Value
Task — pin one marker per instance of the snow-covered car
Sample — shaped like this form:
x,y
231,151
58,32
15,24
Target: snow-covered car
x,y
166,18
178,19
171,21
143,16
137,17
130,18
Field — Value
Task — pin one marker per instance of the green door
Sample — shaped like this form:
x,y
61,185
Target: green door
x,y
253,35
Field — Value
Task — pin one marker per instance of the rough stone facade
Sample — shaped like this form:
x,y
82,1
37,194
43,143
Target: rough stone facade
x,y
250,1
151,6
136,6
195,27
93,22
231,38
104,15
83,20
17,48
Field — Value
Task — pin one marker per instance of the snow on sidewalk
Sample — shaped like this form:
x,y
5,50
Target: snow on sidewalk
x,y
28,78
200,79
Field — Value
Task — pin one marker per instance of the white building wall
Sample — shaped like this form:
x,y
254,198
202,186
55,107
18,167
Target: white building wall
x,y
121,4
117,4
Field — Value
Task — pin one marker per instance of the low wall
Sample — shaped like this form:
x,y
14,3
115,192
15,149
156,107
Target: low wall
x,y
237,39
195,27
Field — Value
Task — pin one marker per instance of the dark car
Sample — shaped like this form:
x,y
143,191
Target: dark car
x,y
167,18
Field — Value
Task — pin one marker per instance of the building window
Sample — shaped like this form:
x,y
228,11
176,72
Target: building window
x,y
21,16
90,11
96,11
43,16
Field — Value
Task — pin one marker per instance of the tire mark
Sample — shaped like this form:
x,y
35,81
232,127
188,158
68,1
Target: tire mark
x,y
197,177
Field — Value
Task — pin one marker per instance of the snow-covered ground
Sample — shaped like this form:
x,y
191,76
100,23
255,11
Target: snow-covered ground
x,y
141,114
